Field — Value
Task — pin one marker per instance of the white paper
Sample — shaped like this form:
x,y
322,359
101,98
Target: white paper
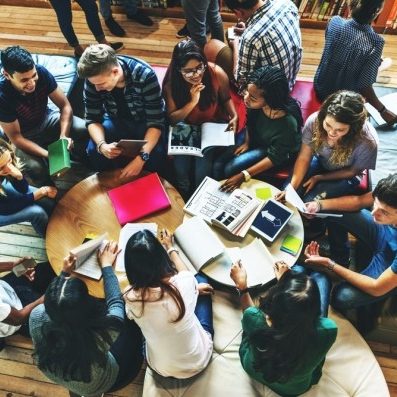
x,y
125,233
199,243
293,198
215,134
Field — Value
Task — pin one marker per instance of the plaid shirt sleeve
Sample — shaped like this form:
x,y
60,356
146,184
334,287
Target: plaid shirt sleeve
x,y
247,58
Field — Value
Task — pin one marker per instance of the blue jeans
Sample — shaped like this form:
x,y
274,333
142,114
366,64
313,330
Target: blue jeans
x,y
327,189
324,286
63,9
130,6
202,13
203,310
37,214
116,129
376,237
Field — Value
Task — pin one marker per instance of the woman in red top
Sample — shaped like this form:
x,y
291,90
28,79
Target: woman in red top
x,y
196,92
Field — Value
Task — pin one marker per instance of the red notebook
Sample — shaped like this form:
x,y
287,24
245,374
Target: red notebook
x,y
139,198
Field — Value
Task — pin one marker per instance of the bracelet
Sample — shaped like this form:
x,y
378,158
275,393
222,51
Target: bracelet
x,y
318,202
171,250
382,109
98,146
247,175
331,265
241,292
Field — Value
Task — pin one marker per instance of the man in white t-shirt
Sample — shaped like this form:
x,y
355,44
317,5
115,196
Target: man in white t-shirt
x,y
20,295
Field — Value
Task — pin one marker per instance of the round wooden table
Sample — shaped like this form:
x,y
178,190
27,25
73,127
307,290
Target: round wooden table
x,y
294,227
86,209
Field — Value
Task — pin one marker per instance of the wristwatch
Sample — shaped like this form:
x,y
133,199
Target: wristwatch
x,y
144,156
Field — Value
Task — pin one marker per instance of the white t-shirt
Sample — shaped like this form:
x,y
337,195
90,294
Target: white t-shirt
x,y
8,299
179,349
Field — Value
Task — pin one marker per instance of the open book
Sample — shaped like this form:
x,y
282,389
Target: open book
x,y
125,233
87,259
234,211
293,198
389,101
192,140
197,243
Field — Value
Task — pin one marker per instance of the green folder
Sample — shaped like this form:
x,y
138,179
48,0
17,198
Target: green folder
x,y
58,157
291,244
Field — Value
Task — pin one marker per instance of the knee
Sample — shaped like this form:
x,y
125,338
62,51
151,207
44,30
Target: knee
x,y
212,49
38,213
342,298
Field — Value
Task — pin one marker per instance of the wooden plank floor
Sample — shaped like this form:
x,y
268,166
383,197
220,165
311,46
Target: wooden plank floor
x,y
37,30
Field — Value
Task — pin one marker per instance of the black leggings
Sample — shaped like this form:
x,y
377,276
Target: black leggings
x,y
63,9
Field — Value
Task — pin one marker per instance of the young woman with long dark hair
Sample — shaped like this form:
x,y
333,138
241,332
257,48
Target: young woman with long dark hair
x,y
172,307
273,136
196,91
80,342
285,340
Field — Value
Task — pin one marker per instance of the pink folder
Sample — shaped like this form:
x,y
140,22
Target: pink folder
x,y
139,198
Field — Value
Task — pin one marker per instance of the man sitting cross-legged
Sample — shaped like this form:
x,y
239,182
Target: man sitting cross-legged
x,y
376,229
26,118
122,101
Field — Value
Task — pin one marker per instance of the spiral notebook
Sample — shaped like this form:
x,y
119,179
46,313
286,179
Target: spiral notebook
x,y
139,198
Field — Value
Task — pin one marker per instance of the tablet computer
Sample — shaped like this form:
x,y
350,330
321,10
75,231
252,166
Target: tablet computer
x,y
131,147
271,220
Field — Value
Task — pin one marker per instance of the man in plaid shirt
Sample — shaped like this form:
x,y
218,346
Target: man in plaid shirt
x,y
267,34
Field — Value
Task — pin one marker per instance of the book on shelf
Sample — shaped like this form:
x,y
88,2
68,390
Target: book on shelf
x,y
198,245
193,140
293,198
389,101
87,256
58,157
130,147
323,10
128,230
139,198
271,220
233,211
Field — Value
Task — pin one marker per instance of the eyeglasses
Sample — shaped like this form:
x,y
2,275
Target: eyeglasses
x,y
194,71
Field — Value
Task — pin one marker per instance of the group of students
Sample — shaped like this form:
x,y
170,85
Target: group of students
x,y
91,346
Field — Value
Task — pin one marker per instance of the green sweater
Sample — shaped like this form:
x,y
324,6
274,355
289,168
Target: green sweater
x,y
308,374
280,137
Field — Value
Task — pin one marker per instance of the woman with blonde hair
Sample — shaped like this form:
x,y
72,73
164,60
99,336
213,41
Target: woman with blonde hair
x,y
20,202
338,144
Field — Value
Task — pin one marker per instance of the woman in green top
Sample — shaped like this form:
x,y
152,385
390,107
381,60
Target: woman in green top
x,y
285,340
273,136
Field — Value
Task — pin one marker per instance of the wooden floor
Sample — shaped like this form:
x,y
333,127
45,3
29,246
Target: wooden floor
x,y
37,30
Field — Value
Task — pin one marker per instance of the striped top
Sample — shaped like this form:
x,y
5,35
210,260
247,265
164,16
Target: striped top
x,y
351,57
272,37
29,109
142,94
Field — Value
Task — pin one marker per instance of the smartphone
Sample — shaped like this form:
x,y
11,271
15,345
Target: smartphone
x,y
24,266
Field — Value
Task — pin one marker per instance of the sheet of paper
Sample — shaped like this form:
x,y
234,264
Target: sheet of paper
x,y
126,232
293,198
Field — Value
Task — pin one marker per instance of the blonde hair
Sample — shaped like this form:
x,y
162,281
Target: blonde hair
x,y
345,107
15,161
96,59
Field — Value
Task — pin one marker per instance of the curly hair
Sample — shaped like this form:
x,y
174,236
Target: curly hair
x,y
345,107
365,11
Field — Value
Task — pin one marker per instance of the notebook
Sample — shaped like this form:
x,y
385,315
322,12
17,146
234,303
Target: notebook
x,y
58,157
139,198
291,244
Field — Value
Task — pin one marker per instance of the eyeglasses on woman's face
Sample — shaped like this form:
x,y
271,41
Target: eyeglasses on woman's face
x,y
191,72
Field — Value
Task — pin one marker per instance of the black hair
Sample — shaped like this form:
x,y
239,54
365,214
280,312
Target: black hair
x,y
365,11
386,190
183,52
147,265
274,84
16,59
242,4
293,307
77,333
